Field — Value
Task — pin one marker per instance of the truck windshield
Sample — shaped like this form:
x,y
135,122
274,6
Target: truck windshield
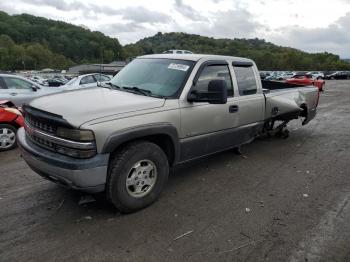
x,y
158,77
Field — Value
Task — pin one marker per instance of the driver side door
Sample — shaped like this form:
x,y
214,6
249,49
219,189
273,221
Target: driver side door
x,y
208,128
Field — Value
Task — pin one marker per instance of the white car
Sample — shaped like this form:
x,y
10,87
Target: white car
x,y
175,51
316,75
85,81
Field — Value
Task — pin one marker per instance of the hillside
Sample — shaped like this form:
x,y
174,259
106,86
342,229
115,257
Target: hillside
x,y
267,55
36,42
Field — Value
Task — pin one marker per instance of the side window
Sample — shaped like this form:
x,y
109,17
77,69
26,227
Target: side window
x,y
105,78
246,80
102,78
213,72
16,83
178,52
87,80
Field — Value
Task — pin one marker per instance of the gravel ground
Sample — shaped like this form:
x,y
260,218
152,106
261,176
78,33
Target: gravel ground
x,y
285,200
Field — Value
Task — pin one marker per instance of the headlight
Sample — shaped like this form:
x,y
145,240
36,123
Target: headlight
x,y
13,110
75,134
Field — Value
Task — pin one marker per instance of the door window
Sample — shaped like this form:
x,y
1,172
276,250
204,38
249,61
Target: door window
x,y
17,83
102,78
246,80
214,72
87,80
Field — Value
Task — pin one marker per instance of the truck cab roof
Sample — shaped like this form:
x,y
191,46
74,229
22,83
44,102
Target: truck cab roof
x,y
196,57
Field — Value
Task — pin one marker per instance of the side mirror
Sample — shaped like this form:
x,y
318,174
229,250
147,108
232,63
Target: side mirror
x,y
35,88
217,93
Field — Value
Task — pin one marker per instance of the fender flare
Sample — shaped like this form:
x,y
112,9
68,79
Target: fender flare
x,y
123,136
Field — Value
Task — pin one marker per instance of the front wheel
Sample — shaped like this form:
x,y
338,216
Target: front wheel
x,y
137,176
7,137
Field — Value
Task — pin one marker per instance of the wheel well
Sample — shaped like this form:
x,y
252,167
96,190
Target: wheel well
x,y
304,112
14,124
161,140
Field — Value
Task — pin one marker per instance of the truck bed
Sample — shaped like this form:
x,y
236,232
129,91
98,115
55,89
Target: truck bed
x,y
286,101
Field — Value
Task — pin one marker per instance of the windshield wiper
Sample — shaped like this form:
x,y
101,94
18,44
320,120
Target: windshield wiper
x,y
111,85
138,90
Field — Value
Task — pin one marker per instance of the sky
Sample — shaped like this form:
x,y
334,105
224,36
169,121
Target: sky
x,y
309,25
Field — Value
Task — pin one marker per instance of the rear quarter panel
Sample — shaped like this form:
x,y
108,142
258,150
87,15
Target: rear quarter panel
x,y
288,100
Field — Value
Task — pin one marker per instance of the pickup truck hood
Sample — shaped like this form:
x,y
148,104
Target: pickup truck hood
x,y
81,106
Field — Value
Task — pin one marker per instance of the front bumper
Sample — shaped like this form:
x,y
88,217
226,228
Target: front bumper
x,y
82,174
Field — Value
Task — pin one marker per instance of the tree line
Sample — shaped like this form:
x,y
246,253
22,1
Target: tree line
x,y
30,42
267,56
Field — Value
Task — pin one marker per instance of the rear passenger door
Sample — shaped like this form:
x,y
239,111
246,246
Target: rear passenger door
x,y
250,100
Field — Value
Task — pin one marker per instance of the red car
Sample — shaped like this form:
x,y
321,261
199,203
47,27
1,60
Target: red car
x,y
10,120
307,80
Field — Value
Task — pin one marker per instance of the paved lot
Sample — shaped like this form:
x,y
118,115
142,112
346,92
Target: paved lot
x,y
288,200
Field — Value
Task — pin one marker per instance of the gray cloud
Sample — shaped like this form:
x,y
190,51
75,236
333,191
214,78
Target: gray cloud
x,y
188,12
115,29
91,11
237,23
143,15
334,38
61,5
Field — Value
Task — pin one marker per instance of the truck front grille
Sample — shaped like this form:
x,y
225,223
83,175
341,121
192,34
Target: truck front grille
x,y
40,124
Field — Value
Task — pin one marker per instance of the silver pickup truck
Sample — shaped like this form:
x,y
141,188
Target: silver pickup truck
x,y
158,112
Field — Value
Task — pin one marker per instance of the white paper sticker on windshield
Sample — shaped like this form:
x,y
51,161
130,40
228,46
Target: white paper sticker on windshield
x,y
179,67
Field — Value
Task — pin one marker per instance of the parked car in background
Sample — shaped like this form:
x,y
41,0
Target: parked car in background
x,y
316,74
338,75
57,81
10,120
84,81
307,80
175,51
264,75
39,80
20,90
286,75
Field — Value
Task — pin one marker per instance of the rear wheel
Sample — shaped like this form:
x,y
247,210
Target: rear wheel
x,y
7,137
137,176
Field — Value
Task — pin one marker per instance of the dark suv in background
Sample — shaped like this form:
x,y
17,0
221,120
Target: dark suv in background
x,y
338,75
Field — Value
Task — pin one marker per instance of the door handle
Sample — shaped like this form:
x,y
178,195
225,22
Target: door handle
x,y
233,109
13,94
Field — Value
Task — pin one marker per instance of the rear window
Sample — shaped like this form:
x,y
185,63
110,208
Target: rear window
x,y
246,80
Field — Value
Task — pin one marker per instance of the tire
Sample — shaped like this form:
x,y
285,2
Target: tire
x,y
8,139
124,173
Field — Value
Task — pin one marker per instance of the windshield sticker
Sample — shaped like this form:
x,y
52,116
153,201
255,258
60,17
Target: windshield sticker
x,y
179,67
